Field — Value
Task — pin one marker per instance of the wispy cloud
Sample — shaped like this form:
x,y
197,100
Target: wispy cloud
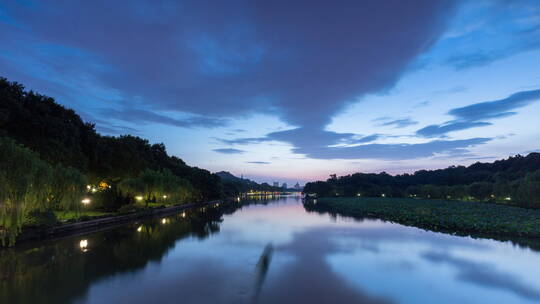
x,y
399,123
326,145
140,116
475,115
229,151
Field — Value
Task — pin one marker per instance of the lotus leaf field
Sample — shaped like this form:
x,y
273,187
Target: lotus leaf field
x,y
441,215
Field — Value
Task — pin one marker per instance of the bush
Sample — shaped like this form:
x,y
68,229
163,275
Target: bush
x,y
130,208
37,218
110,200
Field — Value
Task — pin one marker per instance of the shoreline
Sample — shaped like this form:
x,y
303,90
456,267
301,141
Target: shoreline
x,y
477,220
36,234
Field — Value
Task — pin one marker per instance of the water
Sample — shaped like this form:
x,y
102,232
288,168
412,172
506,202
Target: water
x,y
268,252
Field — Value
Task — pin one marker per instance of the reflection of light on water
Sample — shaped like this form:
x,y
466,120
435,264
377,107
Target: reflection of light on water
x,y
84,245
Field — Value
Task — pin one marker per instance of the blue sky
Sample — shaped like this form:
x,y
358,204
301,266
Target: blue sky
x,y
281,91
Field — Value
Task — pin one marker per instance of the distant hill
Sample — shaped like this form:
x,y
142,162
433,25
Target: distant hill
x,y
227,176
243,185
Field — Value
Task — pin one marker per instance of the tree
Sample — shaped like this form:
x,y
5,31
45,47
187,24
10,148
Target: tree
x,y
156,186
22,179
67,188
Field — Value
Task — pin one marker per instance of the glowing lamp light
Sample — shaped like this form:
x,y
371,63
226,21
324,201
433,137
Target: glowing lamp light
x,y
164,221
139,198
84,245
238,199
383,195
139,229
508,198
86,201
164,196
183,214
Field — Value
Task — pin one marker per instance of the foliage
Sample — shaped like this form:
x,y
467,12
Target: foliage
x,y
515,180
441,215
67,188
30,188
38,218
52,154
61,137
22,177
158,186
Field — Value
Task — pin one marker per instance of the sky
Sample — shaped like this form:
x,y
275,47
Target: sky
x,y
291,91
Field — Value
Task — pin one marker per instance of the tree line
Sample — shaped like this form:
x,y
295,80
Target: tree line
x,y
233,185
514,181
52,160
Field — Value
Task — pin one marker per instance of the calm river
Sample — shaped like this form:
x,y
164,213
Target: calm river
x,y
271,251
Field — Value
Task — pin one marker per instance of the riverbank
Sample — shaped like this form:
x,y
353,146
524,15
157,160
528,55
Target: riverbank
x,y
463,218
100,222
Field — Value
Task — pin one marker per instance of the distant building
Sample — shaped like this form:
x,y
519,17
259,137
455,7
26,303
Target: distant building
x,y
284,186
276,184
297,186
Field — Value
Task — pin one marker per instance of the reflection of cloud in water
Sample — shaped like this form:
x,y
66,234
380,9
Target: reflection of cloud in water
x,y
485,275
203,282
309,279
369,239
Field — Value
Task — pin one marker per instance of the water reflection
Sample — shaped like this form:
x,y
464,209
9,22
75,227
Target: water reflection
x,y
268,251
485,274
312,206
261,270
308,278
58,270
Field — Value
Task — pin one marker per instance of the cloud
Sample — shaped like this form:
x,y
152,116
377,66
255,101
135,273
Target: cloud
x,y
452,90
399,123
498,108
471,45
460,62
139,116
221,59
258,162
440,130
321,145
422,104
474,115
394,151
366,139
229,151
